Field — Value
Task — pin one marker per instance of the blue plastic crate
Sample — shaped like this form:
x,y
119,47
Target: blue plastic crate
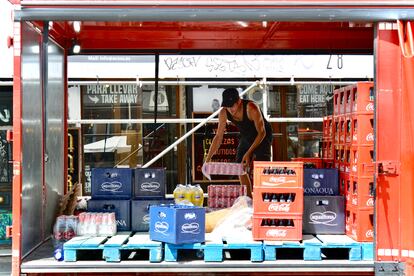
x,y
121,208
149,183
177,224
111,183
320,182
140,218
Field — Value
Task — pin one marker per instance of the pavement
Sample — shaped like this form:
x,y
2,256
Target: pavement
x,y
5,260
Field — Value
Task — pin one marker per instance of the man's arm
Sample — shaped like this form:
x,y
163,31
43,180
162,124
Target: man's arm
x,y
218,138
253,113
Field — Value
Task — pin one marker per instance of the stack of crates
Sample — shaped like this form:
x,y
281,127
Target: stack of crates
x,y
353,154
277,200
328,142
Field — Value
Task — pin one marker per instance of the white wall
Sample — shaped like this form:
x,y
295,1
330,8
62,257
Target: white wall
x,y
6,29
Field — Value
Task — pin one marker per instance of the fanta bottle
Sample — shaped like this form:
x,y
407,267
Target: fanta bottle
x,y
179,193
197,196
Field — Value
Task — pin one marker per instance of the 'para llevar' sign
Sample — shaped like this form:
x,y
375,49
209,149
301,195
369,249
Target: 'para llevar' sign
x,y
103,94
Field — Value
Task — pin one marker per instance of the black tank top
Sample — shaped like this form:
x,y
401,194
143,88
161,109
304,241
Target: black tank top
x,y
247,128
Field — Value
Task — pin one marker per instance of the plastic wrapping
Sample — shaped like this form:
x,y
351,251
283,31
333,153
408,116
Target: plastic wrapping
x,y
236,220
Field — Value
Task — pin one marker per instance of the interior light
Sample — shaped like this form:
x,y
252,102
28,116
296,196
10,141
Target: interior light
x,y
243,24
76,26
50,25
292,80
76,48
264,24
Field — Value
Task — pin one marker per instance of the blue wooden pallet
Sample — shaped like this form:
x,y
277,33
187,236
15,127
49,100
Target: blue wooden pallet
x,y
342,241
367,251
138,242
72,247
111,247
310,245
213,248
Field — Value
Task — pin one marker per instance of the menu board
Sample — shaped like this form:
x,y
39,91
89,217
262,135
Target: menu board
x,y
202,140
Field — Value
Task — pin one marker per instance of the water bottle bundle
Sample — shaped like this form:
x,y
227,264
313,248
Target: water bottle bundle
x,y
189,195
65,228
96,224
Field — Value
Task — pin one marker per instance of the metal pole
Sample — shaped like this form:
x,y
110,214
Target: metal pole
x,y
203,122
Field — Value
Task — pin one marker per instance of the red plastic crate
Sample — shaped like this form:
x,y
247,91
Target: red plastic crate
x,y
261,179
278,200
363,129
336,129
344,180
336,109
344,159
327,149
348,100
362,192
348,130
262,231
327,127
363,98
342,129
342,101
328,163
317,162
359,224
362,161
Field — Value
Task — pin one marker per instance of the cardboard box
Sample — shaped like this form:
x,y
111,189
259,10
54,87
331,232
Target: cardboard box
x,y
149,183
177,224
111,183
324,215
321,182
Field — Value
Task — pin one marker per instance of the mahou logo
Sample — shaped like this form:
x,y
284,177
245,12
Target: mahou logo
x,y
283,207
369,234
276,233
370,107
370,202
370,137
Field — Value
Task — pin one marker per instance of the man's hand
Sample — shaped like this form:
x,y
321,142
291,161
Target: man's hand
x,y
246,161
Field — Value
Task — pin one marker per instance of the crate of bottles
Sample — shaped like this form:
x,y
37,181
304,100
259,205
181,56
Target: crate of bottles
x,y
359,224
277,228
362,97
278,174
361,192
278,200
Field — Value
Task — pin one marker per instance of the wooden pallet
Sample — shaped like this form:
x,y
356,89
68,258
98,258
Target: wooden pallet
x,y
112,247
310,245
213,249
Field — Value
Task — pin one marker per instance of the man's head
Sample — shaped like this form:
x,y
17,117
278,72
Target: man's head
x,y
230,97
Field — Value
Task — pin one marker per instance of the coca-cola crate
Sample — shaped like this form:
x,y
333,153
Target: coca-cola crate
x,y
338,152
363,129
226,190
363,98
328,163
359,224
336,129
348,100
348,130
362,192
309,162
327,149
277,228
336,109
342,129
328,127
344,185
362,161
278,200
277,174
342,101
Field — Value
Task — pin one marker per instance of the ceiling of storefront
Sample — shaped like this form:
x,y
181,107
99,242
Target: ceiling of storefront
x,y
132,37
